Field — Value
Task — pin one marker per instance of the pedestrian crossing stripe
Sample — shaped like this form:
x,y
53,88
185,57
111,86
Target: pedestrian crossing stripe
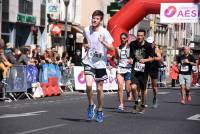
x,y
163,93
195,117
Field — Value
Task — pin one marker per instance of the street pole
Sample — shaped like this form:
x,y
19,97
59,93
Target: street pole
x,y
0,16
66,12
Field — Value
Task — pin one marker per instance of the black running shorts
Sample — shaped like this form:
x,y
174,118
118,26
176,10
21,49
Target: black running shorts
x,y
98,74
140,79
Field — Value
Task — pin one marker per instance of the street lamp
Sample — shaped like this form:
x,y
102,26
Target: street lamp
x,y
66,2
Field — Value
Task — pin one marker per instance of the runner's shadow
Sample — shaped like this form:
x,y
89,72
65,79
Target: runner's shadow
x,y
109,108
75,120
114,110
189,104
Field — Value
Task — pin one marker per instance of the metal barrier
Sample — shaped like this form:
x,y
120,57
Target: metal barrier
x,y
67,79
161,81
16,86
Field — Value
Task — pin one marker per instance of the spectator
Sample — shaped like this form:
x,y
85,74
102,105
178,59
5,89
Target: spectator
x,y
162,72
2,43
174,73
24,58
4,64
77,59
37,53
198,67
48,55
9,53
195,74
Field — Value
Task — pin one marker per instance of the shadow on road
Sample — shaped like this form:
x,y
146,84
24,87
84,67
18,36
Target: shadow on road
x,y
75,120
175,102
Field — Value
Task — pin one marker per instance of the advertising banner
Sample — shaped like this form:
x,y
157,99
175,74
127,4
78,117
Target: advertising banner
x,y
180,12
79,79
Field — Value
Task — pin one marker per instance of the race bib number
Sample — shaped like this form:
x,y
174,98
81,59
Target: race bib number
x,y
122,70
95,56
184,68
139,67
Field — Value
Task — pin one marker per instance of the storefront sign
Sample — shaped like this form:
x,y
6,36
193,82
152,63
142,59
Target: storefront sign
x,y
53,8
23,18
179,13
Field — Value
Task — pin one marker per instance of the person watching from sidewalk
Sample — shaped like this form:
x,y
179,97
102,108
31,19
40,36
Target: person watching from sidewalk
x,y
185,61
198,67
5,65
77,59
142,54
123,70
173,74
98,41
153,69
194,74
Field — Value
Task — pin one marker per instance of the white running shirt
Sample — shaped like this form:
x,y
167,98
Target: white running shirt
x,y
96,56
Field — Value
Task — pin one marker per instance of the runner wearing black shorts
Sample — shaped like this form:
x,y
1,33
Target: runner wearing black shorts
x,y
141,54
153,69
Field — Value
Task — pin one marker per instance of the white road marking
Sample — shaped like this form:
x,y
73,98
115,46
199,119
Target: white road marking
x,y
163,93
41,129
21,114
195,117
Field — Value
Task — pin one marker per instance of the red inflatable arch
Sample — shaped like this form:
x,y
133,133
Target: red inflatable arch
x,y
133,12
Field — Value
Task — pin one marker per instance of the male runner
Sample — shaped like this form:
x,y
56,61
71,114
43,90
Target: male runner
x,y
185,61
98,41
141,53
153,69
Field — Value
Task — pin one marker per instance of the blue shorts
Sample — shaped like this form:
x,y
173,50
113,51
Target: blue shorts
x,y
127,76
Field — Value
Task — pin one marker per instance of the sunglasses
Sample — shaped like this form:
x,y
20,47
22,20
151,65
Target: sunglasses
x,y
123,38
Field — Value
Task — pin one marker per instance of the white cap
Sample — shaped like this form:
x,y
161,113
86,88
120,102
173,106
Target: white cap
x,y
9,45
150,40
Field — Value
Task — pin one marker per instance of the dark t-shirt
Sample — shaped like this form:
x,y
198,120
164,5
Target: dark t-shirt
x,y
185,68
154,65
138,52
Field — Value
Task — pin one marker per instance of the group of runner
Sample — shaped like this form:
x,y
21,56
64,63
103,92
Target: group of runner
x,y
136,60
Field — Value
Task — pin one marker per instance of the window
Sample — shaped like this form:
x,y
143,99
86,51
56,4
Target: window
x,y
42,14
26,6
5,10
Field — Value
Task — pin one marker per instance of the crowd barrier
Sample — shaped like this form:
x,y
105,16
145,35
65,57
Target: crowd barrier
x,y
47,80
21,78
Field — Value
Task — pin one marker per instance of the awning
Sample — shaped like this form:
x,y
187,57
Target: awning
x,y
77,29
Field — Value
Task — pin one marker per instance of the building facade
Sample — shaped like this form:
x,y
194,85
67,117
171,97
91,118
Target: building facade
x,y
23,22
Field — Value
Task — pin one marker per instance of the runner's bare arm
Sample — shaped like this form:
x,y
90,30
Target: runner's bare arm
x,y
85,44
158,53
150,59
108,46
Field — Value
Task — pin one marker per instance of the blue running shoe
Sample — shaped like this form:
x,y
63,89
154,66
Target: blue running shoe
x,y
90,111
99,116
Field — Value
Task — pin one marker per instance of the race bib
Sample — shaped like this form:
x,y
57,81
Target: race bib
x,y
122,70
139,67
95,56
184,68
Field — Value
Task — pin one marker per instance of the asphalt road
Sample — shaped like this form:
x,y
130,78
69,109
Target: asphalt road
x,y
66,114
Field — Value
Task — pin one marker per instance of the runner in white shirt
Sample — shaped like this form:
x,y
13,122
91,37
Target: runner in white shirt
x,y
123,70
98,41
